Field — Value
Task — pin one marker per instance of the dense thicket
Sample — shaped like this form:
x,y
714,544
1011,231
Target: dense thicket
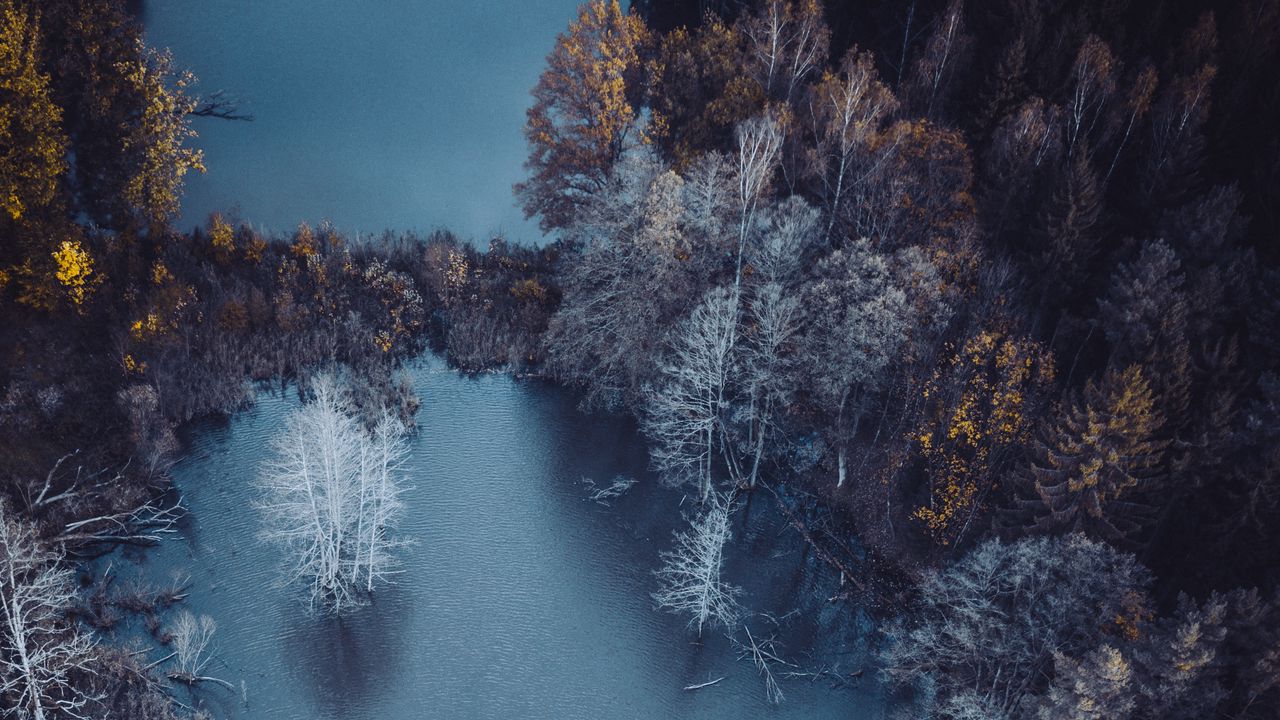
x,y
954,271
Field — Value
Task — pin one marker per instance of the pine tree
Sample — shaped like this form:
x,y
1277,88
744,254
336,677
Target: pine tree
x,y
1092,465
1097,687
1068,234
1177,665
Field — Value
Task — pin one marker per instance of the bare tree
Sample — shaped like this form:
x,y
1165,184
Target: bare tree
x,y
331,496
983,641
764,655
690,579
848,110
41,650
857,319
684,414
945,52
788,41
768,366
759,141
626,284
790,229
191,637
1092,84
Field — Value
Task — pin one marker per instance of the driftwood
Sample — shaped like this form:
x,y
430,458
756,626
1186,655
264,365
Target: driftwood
x,y
708,683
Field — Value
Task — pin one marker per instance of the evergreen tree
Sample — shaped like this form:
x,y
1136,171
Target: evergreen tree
x,y
1094,464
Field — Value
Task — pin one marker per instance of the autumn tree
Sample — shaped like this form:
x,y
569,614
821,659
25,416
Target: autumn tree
x,y
979,406
848,109
584,112
156,144
43,256
32,144
1093,464
699,92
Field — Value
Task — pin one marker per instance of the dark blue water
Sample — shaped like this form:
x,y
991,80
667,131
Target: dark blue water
x,y
519,597
402,114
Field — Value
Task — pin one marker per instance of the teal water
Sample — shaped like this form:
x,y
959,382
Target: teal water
x,y
519,597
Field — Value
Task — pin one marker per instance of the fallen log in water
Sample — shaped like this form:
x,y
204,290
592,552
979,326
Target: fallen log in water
x,y
708,683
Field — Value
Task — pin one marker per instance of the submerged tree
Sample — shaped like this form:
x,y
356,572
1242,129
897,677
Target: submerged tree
x,y
331,497
690,580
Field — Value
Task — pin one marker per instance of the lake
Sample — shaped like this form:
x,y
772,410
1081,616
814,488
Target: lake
x,y
400,114
519,597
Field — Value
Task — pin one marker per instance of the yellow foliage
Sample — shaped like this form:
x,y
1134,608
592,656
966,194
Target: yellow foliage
x,y
158,139
74,270
255,248
975,407
222,237
32,145
305,244
529,289
160,273
583,109
133,366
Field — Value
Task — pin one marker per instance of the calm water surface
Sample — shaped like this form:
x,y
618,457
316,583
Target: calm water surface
x,y
402,114
519,598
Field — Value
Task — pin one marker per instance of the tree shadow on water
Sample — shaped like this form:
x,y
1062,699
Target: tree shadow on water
x,y
349,662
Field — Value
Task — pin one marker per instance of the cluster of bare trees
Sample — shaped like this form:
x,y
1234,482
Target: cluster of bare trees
x,y
44,655
331,497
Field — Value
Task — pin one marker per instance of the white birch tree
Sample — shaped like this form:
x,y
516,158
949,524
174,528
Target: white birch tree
x,y
788,41
690,579
41,650
684,414
768,368
759,143
331,496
